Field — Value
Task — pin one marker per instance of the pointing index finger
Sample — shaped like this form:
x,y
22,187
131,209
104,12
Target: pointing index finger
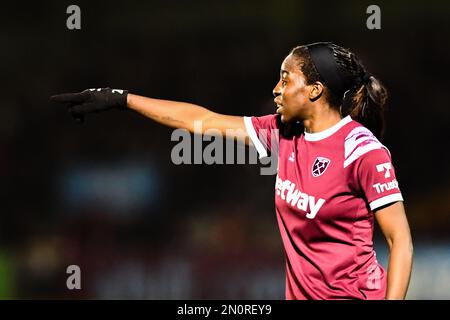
x,y
69,97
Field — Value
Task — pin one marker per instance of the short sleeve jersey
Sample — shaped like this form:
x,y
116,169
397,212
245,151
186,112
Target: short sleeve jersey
x,y
327,188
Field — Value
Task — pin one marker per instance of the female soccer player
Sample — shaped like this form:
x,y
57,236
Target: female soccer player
x,y
334,176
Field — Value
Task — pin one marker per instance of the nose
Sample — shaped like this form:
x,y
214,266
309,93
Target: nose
x,y
276,91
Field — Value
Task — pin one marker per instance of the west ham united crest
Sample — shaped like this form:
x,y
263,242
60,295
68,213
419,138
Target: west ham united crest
x,y
319,166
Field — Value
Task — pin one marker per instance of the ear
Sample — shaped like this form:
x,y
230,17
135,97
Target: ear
x,y
316,91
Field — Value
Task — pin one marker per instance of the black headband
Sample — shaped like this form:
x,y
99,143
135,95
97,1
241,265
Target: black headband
x,y
323,59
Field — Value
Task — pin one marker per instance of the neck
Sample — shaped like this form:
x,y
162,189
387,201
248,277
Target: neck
x,y
321,120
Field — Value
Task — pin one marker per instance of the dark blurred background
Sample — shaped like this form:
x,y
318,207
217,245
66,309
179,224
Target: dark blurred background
x,y
105,195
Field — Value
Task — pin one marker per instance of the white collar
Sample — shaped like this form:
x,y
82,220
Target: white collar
x,y
328,132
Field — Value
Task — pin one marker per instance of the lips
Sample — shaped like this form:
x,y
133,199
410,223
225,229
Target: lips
x,y
279,108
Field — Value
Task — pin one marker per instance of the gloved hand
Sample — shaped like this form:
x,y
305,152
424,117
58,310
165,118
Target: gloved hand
x,y
92,100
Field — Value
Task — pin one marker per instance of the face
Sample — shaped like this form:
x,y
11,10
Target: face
x,y
292,95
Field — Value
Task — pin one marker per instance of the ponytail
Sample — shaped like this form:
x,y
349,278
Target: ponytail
x,y
367,104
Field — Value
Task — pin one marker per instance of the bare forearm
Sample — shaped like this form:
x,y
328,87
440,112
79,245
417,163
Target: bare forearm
x,y
170,113
399,270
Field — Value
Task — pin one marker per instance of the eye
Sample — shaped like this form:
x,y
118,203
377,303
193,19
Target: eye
x,y
283,83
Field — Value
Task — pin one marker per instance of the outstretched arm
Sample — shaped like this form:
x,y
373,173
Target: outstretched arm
x,y
170,113
394,225
183,115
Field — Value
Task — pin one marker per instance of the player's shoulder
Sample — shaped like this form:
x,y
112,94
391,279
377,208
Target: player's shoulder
x,y
269,120
360,143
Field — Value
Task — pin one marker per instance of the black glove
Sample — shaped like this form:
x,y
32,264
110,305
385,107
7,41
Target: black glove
x,y
92,100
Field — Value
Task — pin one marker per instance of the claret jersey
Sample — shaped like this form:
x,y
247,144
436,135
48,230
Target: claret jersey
x,y
327,188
